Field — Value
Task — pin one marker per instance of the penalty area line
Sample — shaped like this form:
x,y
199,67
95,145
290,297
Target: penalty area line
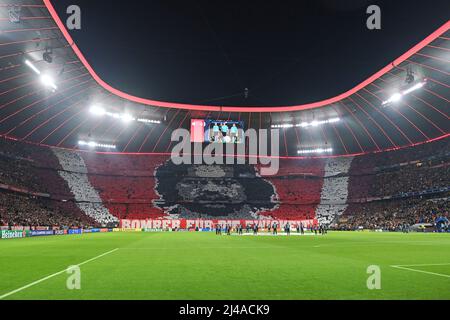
x,y
54,275
422,271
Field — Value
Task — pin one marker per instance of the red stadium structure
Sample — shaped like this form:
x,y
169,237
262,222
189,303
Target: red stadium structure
x,y
28,114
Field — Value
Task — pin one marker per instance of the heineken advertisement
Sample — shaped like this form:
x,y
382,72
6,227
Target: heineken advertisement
x,y
15,234
8,234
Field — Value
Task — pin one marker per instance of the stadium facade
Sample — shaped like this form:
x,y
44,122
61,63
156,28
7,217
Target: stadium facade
x,y
62,113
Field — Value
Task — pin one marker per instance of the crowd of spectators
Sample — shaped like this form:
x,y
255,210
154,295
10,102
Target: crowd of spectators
x,y
369,163
392,215
41,157
25,210
34,171
86,196
105,187
412,179
407,179
16,172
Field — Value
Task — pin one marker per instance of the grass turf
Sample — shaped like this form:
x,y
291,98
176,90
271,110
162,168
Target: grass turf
x,y
204,266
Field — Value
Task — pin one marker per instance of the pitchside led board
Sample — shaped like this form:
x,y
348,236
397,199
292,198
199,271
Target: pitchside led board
x,y
217,131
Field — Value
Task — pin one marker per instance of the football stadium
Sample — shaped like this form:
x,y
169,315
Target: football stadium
x,y
129,170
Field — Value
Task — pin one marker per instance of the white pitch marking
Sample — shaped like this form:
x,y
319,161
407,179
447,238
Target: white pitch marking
x,y
426,272
54,275
206,248
271,235
422,265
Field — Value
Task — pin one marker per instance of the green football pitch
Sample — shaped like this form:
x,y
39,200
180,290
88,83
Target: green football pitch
x,y
203,266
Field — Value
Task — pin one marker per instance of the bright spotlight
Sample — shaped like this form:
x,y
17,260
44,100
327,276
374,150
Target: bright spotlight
x,y
315,151
334,120
127,117
414,88
93,144
149,121
305,124
47,81
32,66
98,111
396,97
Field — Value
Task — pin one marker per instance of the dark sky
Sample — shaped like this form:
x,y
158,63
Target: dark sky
x,y
208,52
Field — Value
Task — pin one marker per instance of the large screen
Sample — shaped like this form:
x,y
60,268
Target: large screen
x,y
217,131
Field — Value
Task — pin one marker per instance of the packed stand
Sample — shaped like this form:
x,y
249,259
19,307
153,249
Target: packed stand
x,y
392,215
22,210
87,198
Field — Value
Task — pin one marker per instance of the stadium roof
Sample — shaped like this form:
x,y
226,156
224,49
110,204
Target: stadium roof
x,y
371,118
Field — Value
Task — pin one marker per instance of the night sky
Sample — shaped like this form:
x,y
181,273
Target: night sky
x,y
208,52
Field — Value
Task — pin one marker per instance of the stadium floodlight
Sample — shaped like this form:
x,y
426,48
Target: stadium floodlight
x,y
334,120
97,110
127,117
396,97
93,144
48,81
315,151
414,88
317,123
149,121
32,66
282,126
314,123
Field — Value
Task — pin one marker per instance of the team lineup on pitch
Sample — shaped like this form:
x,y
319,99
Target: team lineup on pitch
x,y
202,266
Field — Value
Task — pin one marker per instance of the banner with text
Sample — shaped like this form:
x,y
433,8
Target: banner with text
x,y
205,224
11,234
